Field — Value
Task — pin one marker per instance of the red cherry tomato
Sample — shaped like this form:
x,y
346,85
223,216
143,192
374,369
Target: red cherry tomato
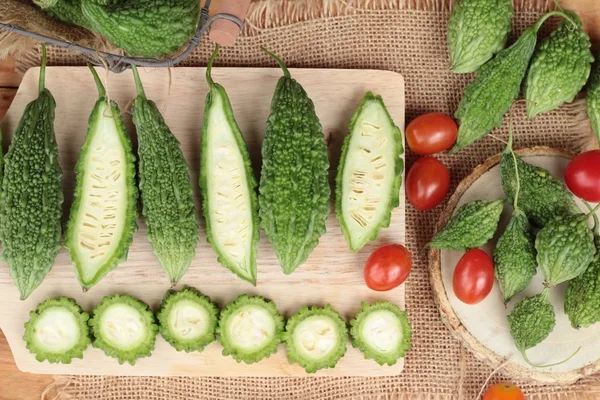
x,y
387,267
431,133
427,183
503,391
583,176
473,277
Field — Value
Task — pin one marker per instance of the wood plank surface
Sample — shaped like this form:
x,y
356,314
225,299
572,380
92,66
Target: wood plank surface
x,y
332,274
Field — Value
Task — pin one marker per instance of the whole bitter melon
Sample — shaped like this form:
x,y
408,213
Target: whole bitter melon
x,y
165,188
67,11
228,185
32,197
146,28
294,187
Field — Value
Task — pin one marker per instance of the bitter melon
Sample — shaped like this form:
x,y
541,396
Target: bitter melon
x,y
316,338
250,329
369,174
31,206
230,204
188,320
103,214
165,188
146,28
123,328
57,331
67,11
294,187
382,332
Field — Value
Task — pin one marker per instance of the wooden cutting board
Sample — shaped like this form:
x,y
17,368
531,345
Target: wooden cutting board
x,y
332,274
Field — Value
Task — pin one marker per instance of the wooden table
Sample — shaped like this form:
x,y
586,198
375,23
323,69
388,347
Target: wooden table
x,y
16,385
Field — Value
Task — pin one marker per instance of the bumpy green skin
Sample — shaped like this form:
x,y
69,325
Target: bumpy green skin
x,y
531,321
389,358
77,350
473,225
593,101
477,30
223,258
120,253
67,11
565,248
166,190
240,354
514,256
559,68
582,299
146,28
107,2
313,365
188,294
150,327
31,206
396,182
294,187
492,93
542,197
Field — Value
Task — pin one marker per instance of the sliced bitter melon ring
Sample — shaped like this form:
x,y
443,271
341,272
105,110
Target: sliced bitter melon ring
x,y
124,328
316,338
382,332
369,174
57,331
188,320
250,329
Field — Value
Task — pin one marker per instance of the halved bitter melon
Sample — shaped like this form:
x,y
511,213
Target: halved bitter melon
x,y
382,332
124,328
250,329
102,221
316,338
57,331
188,320
230,204
369,174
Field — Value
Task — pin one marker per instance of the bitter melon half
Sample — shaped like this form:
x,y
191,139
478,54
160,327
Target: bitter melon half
x,y
370,173
230,205
102,221
32,197
165,188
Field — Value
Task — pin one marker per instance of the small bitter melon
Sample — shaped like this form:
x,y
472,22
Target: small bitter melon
x,y
188,320
381,331
104,210
250,329
57,331
316,338
123,328
165,188
32,197
228,185
369,174
294,187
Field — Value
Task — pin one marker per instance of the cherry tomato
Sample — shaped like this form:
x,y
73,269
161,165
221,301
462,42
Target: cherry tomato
x,y
427,183
473,277
583,176
431,133
387,267
503,391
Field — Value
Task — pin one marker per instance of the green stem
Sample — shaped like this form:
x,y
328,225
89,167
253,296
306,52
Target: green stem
x,y
593,210
596,222
211,61
286,73
551,14
99,85
43,70
138,82
560,8
523,353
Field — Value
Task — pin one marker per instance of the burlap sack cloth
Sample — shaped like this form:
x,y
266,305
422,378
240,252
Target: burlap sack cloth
x,y
408,37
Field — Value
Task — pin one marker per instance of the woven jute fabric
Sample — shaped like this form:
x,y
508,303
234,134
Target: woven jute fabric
x,y
408,37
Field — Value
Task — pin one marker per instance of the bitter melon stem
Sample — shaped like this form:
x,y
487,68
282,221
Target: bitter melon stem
x,y
211,61
99,85
43,70
286,73
593,211
552,14
596,222
138,82
524,354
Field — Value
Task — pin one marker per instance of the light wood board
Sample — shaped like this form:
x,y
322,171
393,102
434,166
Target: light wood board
x,y
483,327
332,274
